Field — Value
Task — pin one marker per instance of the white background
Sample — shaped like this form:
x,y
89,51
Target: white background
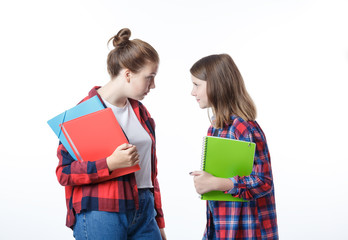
x,y
293,56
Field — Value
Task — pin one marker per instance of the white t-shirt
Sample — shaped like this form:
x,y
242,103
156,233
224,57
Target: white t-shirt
x,y
137,136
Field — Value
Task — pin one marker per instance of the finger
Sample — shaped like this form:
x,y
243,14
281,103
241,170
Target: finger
x,y
134,159
136,162
134,155
196,173
124,146
132,149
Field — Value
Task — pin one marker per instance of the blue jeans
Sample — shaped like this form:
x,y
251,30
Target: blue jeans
x,y
137,224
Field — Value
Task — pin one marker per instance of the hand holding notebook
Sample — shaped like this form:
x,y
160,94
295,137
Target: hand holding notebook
x,y
96,136
226,158
205,182
125,155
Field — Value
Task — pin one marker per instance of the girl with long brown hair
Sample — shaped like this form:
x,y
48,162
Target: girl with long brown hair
x,y
218,84
126,207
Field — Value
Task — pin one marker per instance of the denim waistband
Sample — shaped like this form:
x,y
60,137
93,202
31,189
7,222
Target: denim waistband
x,y
144,189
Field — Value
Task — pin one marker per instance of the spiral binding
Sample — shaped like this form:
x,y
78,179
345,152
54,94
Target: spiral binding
x,y
204,149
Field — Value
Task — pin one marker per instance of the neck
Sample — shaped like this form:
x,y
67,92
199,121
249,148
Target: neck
x,y
112,92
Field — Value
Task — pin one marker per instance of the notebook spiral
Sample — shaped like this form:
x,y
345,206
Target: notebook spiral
x,y
204,149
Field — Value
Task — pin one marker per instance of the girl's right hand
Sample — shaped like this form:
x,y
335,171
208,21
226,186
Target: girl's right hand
x,y
125,155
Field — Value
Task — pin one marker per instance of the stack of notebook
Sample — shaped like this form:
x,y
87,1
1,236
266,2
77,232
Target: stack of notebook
x,y
90,132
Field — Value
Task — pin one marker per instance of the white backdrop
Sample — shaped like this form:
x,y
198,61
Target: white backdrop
x,y
293,56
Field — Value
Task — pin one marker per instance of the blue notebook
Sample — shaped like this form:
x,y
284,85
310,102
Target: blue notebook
x,y
89,106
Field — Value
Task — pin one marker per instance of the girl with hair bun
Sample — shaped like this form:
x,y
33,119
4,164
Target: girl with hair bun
x,y
127,207
217,83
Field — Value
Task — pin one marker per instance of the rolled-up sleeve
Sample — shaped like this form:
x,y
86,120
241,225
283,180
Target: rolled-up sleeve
x,y
71,172
260,181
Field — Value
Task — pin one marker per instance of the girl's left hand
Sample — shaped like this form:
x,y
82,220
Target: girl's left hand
x,y
204,182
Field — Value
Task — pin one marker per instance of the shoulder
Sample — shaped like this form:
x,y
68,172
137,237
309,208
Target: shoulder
x,y
241,128
93,92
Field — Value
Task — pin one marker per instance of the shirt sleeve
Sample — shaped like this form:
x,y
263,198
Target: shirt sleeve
x,y
157,192
158,205
260,182
71,172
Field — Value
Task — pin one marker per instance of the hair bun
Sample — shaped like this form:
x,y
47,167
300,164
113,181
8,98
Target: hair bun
x,y
121,37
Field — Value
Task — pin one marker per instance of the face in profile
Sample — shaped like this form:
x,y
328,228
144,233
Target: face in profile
x,y
142,82
199,91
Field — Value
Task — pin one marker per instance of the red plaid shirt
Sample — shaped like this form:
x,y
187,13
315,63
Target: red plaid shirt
x,y
255,219
116,195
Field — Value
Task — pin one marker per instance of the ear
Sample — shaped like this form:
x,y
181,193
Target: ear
x,y
127,74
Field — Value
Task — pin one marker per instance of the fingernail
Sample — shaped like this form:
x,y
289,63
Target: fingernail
x,y
190,173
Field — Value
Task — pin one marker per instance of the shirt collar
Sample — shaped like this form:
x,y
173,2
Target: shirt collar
x,y
134,103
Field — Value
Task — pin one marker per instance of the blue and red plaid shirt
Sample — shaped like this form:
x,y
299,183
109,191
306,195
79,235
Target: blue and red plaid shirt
x,y
257,218
115,195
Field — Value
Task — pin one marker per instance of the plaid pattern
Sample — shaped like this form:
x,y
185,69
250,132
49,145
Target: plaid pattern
x,y
257,218
116,195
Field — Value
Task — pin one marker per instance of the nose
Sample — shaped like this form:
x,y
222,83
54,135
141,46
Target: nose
x,y
152,84
193,92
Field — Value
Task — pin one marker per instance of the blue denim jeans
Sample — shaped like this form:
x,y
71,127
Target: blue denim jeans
x,y
137,224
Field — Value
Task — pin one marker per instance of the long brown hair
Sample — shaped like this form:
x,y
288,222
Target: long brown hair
x,y
130,54
226,90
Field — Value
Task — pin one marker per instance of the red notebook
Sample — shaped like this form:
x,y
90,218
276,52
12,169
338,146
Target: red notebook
x,y
96,136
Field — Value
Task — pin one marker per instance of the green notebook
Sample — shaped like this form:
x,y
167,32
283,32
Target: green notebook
x,y
226,158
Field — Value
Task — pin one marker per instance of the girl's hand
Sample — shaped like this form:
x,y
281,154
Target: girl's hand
x,y
163,234
125,155
205,182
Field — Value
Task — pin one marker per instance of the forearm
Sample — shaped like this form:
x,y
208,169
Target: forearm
x,y
221,184
251,187
70,172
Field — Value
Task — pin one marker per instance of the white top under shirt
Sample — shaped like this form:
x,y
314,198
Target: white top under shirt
x,y
137,136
